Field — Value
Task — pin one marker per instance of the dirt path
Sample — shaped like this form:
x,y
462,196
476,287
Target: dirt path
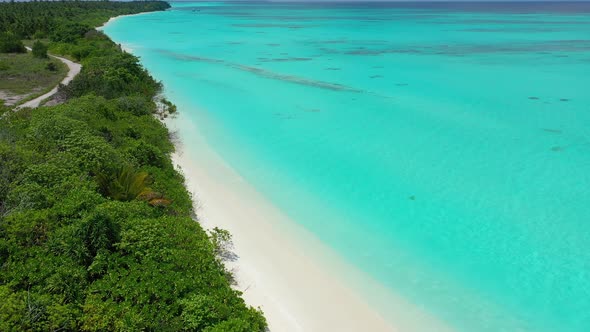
x,y
73,70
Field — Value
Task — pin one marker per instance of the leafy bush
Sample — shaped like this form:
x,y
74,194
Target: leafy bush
x,y
135,105
10,43
123,184
222,241
39,19
113,76
39,50
69,32
51,66
99,232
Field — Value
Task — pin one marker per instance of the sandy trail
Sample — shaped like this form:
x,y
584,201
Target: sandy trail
x,y
73,70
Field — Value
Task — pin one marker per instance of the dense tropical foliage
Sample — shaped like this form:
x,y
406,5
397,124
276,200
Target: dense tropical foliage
x,y
11,43
65,20
96,231
39,50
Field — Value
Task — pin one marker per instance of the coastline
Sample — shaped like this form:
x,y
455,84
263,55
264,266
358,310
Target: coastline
x,y
298,280
112,19
299,283
293,291
275,268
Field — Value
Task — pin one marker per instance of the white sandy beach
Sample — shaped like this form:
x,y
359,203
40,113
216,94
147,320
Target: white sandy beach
x,y
112,19
298,282
296,292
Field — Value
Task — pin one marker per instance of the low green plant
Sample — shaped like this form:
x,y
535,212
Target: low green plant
x,y
10,43
26,74
51,66
222,242
39,50
124,183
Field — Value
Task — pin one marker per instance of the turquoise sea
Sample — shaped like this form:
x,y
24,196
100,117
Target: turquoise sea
x,y
444,149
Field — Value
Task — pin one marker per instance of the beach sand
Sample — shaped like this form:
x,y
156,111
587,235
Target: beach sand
x,y
274,268
113,19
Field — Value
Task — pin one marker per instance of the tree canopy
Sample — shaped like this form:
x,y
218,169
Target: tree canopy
x,y
96,232
39,50
10,43
65,19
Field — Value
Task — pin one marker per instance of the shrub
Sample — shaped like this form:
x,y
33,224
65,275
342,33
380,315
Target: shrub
x,y
39,35
10,43
123,184
222,242
136,105
51,66
113,76
69,32
39,50
99,232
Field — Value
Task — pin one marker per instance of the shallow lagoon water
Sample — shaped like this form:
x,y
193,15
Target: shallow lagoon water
x,y
442,149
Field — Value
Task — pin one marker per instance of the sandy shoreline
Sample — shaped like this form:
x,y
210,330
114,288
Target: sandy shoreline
x,y
298,282
112,19
296,291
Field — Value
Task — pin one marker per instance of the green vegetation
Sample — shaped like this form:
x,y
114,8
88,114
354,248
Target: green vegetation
x,y
11,43
23,74
39,50
110,74
41,19
96,231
